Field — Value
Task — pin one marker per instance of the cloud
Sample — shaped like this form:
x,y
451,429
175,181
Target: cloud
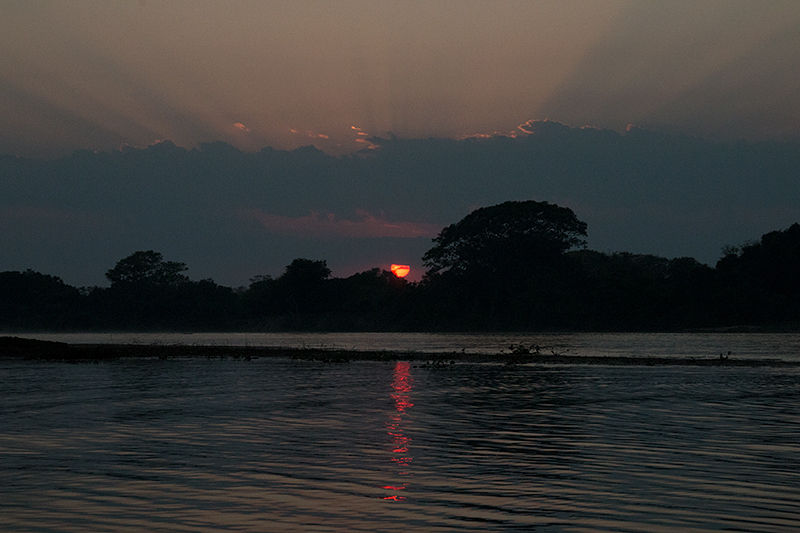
x,y
639,191
39,214
317,225
370,145
44,225
543,127
241,127
484,135
363,138
310,134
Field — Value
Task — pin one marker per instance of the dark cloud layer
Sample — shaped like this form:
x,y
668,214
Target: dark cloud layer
x,y
231,214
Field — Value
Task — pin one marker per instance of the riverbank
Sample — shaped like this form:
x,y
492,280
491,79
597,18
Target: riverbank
x,y
24,348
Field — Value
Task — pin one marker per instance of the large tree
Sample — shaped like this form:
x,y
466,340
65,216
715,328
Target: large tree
x,y
499,238
302,289
144,292
147,268
503,266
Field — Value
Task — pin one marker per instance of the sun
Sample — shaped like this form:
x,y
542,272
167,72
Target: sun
x,y
401,271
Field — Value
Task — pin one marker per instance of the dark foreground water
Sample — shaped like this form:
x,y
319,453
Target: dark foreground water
x,y
283,445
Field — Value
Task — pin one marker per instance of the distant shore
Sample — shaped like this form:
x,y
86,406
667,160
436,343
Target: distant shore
x,y
22,348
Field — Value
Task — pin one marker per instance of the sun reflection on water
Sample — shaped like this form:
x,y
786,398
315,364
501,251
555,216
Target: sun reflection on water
x,y
402,386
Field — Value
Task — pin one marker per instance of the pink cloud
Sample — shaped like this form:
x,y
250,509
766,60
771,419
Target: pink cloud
x,y
327,225
310,134
370,145
241,127
534,126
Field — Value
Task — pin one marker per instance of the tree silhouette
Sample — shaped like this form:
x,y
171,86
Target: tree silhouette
x,y
147,268
507,267
501,236
143,292
503,266
759,281
302,290
30,300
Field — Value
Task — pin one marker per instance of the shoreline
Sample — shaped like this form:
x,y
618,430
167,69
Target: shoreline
x,y
31,349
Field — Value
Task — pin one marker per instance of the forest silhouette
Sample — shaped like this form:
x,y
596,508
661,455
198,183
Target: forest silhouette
x,y
516,266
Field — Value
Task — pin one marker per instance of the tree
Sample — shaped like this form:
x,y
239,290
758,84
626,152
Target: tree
x,y
144,292
147,268
759,281
503,266
301,289
498,238
33,301
305,272
371,300
625,291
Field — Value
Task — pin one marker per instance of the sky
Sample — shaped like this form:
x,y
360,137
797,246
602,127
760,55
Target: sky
x,y
394,97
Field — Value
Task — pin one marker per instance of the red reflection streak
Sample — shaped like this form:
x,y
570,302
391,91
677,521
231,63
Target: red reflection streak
x,y
402,385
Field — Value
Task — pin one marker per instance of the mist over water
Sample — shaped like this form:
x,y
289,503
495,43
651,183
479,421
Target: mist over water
x,y
285,445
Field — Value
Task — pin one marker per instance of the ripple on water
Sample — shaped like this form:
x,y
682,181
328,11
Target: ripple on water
x,y
294,445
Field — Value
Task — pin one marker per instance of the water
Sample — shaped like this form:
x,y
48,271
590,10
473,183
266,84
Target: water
x,y
285,445
782,346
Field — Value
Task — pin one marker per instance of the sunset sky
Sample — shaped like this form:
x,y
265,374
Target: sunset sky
x,y
100,75
95,74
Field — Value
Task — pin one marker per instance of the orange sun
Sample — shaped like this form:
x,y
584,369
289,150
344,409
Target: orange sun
x,y
401,271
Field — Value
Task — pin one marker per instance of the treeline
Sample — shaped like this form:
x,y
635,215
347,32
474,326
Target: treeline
x,y
518,266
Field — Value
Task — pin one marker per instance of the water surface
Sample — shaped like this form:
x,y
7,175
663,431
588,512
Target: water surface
x,y
284,445
784,346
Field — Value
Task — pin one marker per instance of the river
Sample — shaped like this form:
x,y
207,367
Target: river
x,y
781,346
293,445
